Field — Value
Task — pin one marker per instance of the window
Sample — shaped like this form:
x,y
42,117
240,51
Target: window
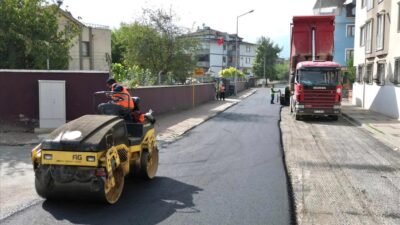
x,y
396,75
85,48
247,48
368,73
247,60
380,75
380,31
362,36
360,71
363,3
316,76
350,30
349,54
204,58
370,4
224,59
350,10
368,37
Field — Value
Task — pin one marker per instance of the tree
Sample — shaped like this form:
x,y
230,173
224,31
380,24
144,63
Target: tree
x,y
230,73
282,71
156,43
118,47
351,71
29,35
266,54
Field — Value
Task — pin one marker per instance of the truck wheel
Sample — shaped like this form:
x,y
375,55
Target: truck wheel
x,y
112,195
334,118
149,164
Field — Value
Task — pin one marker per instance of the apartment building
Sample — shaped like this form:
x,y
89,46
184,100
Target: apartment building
x,y
91,49
377,56
218,51
344,11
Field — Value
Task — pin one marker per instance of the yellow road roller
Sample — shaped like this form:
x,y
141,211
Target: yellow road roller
x,y
89,157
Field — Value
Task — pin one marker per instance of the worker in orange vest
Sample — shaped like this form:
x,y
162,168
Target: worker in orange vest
x,y
124,100
121,103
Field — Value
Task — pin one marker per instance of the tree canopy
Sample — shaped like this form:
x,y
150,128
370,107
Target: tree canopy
x,y
230,73
282,71
156,43
29,35
266,53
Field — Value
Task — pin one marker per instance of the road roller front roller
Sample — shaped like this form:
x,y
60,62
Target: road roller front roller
x,y
89,157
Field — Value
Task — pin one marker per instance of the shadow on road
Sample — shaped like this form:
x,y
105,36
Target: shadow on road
x,y
142,202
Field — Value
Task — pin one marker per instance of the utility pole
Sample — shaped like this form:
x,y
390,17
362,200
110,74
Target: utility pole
x,y
237,47
265,78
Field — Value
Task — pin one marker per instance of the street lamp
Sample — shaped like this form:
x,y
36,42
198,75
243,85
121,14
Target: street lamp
x,y
237,49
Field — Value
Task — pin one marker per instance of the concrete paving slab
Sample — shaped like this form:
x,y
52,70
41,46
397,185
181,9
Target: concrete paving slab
x,y
380,126
340,173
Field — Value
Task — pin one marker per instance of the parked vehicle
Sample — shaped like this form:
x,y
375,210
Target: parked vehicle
x,y
314,81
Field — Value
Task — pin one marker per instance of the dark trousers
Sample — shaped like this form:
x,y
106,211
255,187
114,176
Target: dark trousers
x,y
222,95
272,98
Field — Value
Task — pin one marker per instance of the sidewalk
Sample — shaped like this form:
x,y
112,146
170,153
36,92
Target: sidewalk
x,y
169,126
382,127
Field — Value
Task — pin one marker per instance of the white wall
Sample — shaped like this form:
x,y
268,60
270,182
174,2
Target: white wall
x,y
244,54
383,99
216,54
359,52
101,47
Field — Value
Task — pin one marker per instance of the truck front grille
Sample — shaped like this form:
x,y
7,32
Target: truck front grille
x,y
319,98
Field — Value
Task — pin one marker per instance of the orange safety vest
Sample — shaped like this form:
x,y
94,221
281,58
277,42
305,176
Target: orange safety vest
x,y
126,99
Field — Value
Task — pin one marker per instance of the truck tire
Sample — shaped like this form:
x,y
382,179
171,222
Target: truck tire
x,y
334,118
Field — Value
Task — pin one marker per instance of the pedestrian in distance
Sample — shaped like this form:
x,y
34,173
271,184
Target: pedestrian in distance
x,y
222,91
272,94
217,91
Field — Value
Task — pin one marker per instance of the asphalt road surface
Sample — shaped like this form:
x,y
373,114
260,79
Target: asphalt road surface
x,y
229,170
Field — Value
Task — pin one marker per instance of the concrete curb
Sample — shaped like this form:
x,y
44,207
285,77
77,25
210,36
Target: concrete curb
x,y
168,140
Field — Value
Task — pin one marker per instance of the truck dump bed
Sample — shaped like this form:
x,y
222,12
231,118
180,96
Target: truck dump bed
x,y
302,39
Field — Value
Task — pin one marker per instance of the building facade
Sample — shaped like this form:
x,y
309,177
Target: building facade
x,y
91,49
218,51
344,12
377,56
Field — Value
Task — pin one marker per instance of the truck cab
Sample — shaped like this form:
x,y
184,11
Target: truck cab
x,y
317,89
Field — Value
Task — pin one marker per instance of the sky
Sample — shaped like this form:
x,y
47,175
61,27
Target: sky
x,y
270,18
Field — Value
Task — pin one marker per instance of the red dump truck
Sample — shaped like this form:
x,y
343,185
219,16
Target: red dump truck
x,y
314,82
